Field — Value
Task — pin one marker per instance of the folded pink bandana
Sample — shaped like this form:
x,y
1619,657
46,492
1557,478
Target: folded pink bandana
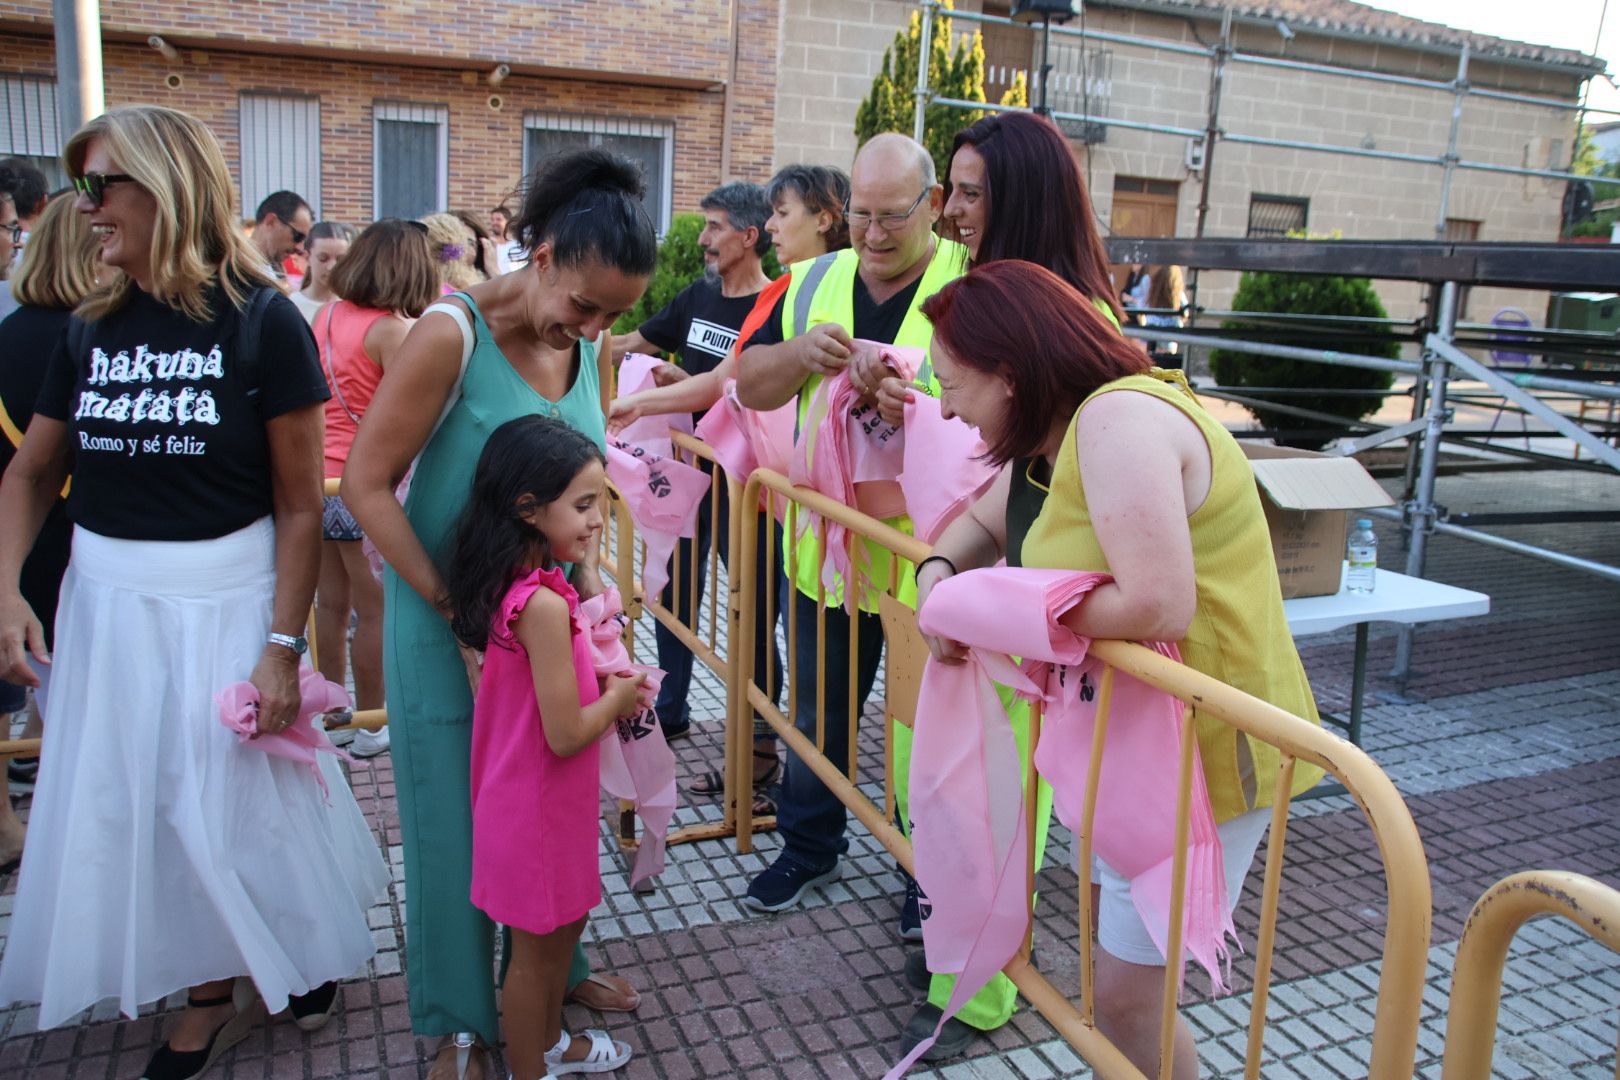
x,y
304,738
967,794
636,763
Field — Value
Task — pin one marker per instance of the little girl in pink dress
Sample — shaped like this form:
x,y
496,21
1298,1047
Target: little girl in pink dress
x,y
537,717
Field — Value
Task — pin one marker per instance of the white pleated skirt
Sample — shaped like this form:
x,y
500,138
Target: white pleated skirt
x,y
161,852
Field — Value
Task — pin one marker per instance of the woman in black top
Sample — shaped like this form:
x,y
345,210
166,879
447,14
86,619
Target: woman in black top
x,y
167,851
58,271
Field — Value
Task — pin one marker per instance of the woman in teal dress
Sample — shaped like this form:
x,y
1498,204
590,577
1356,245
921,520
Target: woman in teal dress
x,y
535,340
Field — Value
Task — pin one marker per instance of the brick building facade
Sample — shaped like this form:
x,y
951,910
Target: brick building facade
x,y
339,99
369,109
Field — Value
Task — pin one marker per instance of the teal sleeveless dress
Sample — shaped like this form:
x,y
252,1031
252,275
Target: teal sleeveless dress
x,y
449,943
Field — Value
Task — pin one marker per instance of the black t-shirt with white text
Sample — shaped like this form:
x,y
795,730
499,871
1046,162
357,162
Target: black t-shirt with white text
x,y
873,321
167,428
700,324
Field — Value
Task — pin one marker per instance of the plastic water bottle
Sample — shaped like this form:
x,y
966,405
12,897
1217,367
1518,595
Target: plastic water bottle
x,y
1363,554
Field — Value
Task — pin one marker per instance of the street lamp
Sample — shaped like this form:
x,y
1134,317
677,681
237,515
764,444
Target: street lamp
x,y
1044,11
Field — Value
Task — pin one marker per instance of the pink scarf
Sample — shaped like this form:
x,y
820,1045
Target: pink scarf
x,y
852,455
943,471
744,440
304,738
661,492
663,496
967,797
638,764
650,432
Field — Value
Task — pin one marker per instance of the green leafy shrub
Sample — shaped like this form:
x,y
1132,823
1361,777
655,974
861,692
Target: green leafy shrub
x,y
680,262
1306,294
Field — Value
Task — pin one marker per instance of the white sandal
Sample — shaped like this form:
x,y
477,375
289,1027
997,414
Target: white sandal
x,y
606,1055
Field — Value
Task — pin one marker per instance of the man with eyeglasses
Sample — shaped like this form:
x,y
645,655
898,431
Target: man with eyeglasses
x,y
280,227
23,195
871,292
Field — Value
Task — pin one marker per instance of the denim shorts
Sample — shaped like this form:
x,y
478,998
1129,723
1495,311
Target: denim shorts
x,y
337,523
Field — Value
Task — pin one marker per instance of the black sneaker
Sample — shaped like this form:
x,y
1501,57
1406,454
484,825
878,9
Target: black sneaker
x,y
784,883
911,912
954,1038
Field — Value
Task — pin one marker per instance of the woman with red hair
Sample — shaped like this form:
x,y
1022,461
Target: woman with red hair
x,y
1015,192
1114,467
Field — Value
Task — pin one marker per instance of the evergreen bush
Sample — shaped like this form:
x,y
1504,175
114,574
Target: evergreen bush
x,y
1305,294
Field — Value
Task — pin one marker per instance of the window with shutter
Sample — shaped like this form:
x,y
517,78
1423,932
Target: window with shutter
x,y
281,149
649,143
411,160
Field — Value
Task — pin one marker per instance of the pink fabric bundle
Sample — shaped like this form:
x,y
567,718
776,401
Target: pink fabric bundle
x,y
744,440
663,496
1135,824
942,471
650,432
849,453
300,741
967,794
636,763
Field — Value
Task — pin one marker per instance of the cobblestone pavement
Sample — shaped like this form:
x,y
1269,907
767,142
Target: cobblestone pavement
x,y
1505,742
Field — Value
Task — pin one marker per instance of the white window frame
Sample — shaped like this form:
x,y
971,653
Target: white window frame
x,y
411,112
29,122
639,127
290,121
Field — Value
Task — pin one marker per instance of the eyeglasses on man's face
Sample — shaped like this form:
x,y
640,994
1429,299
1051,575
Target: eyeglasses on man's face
x,y
860,220
93,185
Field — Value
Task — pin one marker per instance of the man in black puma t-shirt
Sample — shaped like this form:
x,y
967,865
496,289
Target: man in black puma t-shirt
x,y
700,326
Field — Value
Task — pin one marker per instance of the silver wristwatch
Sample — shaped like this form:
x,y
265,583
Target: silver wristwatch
x,y
299,645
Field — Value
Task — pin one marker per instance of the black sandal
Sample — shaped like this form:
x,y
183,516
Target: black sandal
x,y
171,1064
311,1011
712,783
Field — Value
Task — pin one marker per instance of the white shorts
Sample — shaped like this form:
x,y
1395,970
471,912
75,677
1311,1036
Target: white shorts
x,y
1120,930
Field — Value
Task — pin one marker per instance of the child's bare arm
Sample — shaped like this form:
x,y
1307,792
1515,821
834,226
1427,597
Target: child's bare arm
x,y
544,630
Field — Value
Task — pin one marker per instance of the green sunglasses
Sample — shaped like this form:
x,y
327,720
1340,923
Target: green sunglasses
x,y
93,185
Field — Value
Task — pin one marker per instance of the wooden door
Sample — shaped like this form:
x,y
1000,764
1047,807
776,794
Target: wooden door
x,y
1142,207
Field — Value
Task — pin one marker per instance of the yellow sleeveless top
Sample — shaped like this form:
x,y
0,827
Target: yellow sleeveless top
x,y
1238,634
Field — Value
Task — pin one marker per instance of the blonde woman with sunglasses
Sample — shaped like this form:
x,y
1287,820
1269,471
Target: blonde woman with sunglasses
x,y
167,852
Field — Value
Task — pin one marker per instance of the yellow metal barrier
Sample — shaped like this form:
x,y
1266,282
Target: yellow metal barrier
x,y
1476,982
1405,953
622,554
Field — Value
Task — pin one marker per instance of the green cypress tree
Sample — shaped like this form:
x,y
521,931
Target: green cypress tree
x,y
957,73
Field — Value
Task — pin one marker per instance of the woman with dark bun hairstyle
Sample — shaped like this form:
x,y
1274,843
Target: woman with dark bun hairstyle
x,y
524,343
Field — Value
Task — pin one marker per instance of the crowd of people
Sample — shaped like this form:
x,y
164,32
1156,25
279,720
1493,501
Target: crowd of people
x,y
174,401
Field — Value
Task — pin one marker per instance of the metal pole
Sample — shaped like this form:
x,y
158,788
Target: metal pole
x,y
1421,512
925,49
1212,133
1449,168
79,93
1046,63
1212,129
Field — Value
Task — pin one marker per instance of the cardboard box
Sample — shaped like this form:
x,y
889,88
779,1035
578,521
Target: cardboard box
x,y
1307,498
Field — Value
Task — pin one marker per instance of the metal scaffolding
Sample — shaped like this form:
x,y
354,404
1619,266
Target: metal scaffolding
x,y
1445,267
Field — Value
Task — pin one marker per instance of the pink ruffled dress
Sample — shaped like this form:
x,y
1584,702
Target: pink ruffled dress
x,y
534,814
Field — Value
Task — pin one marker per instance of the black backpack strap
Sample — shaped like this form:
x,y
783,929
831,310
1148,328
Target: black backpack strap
x,y
253,334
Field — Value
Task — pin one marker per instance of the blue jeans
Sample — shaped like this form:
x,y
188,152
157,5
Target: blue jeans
x,y
809,818
673,656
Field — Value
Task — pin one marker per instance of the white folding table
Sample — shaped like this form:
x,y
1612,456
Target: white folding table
x,y
1395,598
